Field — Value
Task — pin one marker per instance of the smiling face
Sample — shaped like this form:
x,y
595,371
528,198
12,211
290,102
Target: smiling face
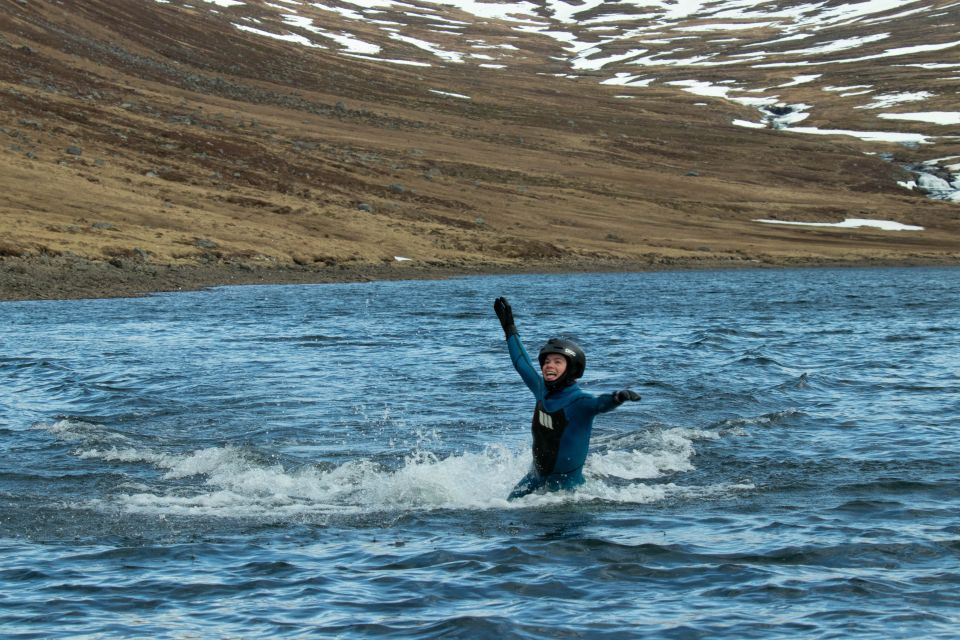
x,y
553,367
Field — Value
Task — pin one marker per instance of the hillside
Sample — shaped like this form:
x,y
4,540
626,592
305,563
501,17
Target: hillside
x,y
154,145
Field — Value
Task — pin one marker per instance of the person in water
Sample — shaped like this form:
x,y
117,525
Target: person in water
x,y
563,417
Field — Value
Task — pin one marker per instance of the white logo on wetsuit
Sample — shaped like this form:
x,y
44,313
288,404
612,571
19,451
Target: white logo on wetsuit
x,y
545,420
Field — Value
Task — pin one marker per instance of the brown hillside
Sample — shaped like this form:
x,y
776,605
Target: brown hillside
x,y
148,146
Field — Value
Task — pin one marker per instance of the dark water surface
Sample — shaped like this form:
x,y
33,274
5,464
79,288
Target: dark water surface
x,y
333,461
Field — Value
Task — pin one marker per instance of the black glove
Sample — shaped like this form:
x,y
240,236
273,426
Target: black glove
x,y
626,394
505,313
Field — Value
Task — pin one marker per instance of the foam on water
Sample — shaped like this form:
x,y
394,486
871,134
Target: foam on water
x,y
667,451
233,481
247,461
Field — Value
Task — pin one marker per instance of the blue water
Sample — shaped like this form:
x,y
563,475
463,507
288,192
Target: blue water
x,y
332,461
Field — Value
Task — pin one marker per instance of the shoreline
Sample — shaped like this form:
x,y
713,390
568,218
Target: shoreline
x,y
74,278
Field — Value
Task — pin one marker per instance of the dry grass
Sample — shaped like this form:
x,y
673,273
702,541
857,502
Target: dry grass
x,y
140,134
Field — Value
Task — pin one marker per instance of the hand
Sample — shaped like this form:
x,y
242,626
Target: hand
x,y
626,394
505,313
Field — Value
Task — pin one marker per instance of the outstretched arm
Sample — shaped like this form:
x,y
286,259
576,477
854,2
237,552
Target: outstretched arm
x,y
521,360
626,395
610,401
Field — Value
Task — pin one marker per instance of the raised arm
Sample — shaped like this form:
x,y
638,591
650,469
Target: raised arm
x,y
505,313
521,360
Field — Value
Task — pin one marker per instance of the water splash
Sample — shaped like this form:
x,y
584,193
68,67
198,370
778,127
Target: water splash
x,y
234,481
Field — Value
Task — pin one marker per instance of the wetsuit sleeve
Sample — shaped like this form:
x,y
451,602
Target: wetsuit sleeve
x,y
606,402
600,404
525,367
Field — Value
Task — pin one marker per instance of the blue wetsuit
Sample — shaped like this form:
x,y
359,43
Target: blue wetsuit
x,y
562,423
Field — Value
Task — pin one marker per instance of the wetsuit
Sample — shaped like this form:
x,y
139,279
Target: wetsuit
x,y
562,423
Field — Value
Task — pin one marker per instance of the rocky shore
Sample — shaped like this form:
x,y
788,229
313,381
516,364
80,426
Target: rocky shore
x,y
70,278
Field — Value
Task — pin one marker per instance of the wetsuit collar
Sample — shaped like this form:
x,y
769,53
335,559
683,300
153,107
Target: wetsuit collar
x,y
560,384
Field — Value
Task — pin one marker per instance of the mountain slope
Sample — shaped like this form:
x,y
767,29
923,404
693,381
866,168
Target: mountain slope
x,y
322,138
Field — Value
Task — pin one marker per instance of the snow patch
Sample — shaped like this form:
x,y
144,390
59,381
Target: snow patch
x,y
850,223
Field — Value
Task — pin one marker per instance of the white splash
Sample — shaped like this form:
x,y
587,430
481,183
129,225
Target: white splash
x,y
231,481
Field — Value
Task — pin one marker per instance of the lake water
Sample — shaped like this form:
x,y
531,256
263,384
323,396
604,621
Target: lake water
x,y
333,461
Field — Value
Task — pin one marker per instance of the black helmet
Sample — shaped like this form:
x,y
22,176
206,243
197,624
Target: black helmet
x,y
576,358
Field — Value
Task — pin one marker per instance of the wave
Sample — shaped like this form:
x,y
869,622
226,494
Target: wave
x,y
803,381
237,481
83,430
757,358
312,337
764,420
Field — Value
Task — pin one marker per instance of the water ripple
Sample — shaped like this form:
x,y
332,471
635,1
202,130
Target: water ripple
x,y
333,461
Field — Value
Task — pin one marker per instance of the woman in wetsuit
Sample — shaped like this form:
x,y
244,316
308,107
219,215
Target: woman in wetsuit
x,y
563,417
